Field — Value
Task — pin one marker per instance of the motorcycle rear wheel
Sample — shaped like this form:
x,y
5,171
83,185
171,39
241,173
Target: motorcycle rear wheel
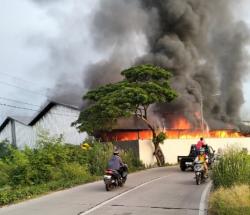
x,y
108,186
198,180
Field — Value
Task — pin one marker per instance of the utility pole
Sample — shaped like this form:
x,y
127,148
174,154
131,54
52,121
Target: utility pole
x,y
202,117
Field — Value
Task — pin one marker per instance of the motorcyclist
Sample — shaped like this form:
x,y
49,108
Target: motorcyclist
x,y
199,145
116,163
202,157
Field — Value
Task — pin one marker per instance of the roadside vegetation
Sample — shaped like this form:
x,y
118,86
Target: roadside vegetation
x,y
231,178
53,165
141,87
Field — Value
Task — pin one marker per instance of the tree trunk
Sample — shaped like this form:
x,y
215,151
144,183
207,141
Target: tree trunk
x,y
158,152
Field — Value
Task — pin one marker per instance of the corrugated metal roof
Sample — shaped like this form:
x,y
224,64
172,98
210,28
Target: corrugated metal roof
x,y
6,121
46,108
132,123
32,121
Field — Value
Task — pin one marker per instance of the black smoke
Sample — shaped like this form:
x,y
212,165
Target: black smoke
x,y
199,41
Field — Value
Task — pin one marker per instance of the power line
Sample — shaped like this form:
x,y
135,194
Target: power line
x,y
24,108
13,100
13,106
30,91
20,79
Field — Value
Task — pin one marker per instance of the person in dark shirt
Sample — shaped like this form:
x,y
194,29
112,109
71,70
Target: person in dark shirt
x,y
116,163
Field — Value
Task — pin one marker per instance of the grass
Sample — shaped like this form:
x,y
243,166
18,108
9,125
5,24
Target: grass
x,y
11,195
231,179
53,165
232,168
230,201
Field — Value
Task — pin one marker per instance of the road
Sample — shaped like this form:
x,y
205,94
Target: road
x,y
164,190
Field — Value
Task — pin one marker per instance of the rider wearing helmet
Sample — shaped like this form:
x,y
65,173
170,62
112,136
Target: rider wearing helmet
x,y
202,157
115,163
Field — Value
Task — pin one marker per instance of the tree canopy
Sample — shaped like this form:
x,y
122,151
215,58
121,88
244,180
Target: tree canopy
x,y
141,87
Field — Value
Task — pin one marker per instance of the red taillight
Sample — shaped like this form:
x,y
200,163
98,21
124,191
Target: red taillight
x,y
109,171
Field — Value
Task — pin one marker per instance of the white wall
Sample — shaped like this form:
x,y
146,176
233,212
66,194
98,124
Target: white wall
x,y
57,121
174,147
25,135
6,133
146,149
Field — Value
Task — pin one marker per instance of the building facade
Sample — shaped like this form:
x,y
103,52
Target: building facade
x,y
54,118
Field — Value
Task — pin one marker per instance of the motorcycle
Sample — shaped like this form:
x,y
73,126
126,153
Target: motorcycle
x,y
113,178
199,172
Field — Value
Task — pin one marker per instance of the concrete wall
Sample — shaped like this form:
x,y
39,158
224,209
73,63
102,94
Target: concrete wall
x,y
128,145
146,149
174,147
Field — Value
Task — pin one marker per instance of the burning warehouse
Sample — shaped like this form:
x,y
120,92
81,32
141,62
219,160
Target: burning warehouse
x,y
199,41
133,133
179,128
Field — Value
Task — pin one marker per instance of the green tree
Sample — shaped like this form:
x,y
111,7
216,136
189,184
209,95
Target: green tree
x,y
142,86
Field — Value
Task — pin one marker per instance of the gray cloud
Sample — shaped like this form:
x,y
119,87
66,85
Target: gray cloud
x,y
46,2
198,40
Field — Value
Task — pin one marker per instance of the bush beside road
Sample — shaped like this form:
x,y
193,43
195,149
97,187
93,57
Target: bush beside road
x,y
230,201
53,165
231,178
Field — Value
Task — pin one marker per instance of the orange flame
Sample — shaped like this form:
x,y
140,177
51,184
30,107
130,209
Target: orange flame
x,y
180,128
181,123
171,134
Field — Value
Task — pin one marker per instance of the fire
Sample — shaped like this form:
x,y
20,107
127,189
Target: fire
x,y
181,123
171,134
179,128
183,134
225,134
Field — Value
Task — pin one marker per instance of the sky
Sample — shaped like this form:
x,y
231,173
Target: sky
x,y
27,32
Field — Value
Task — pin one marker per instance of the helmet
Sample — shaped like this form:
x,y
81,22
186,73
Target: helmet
x,y
116,152
202,150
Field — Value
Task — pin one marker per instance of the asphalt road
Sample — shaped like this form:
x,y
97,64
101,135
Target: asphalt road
x,y
164,190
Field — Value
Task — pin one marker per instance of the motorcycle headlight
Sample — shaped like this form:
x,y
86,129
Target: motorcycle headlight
x,y
197,167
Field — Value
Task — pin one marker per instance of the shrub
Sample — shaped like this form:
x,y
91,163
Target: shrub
x,y
19,168
4,174
98,156
73,171
5,149
76,154
230,201
233,168
53,165
46,160
131,160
